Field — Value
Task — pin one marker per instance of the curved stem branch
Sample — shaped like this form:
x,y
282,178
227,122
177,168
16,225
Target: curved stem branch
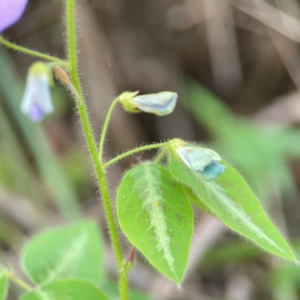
x,y
84,118
32,52
105,127
160,156
17,281
133,151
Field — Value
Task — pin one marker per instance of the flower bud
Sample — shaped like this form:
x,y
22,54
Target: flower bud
x,y
160,104
202,160
37,102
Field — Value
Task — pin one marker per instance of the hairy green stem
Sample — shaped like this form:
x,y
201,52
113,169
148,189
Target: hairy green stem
x,y
105,127
53,64
17,281
133,151
160,155
72,48
32,52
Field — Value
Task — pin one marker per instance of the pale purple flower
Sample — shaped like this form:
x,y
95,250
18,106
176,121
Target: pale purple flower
x,y
36,102
160,104
10,12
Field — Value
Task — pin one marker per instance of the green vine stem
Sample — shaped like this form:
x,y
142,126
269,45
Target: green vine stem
x,y
160,155
72,49
17,281
133,151
53,64
33,53
105,127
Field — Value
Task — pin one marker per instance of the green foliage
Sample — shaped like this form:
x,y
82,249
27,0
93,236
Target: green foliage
x,y
285,280
259,151
229,252
15,172
72,251
232,201
3,284
47,163
285,283
111,290
64,289
153,202
156,217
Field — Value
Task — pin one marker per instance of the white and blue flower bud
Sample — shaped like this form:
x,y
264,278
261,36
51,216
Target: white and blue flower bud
x,y
202,160
37,102
160,104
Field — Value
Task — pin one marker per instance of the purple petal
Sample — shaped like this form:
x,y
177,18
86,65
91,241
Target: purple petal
x,y
36,113
36,102
10,12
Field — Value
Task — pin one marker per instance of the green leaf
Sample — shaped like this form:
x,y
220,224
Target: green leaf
x,y
228,252
232,201
193,198
3,284
261,152
285,280
156,217
65,289
71,251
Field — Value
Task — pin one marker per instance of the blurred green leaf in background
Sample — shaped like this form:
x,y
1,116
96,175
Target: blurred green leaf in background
x,y
260,152
73,251
34,138
3,284
63,289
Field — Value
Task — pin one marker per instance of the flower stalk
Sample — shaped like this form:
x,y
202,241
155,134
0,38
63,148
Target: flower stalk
x,y
72,50
17,280
37,103
133,151
105,127
30,52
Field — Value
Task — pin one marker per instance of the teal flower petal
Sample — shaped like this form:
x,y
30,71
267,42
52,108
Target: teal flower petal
x,y
212,171
202,160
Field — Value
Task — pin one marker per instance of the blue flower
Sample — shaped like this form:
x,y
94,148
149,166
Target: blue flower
x,y
202,160
160,104
37,102
10,12
212,171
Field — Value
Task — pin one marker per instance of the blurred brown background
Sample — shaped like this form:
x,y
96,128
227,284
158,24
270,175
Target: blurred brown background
x,y
235,65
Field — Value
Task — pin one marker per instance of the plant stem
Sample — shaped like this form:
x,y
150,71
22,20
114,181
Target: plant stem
x,y
32,52
133,151
58,64
72,48
105,126
123,285
160,155
17,281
